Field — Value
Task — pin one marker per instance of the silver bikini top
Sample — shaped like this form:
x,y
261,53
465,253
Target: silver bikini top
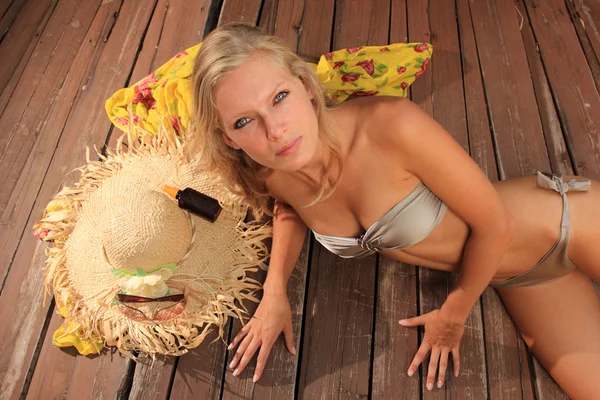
x,y
407,223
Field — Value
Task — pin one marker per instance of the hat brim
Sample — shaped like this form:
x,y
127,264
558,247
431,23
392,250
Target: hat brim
x,y
213,274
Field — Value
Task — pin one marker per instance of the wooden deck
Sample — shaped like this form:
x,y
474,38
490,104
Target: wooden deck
x,y
515,81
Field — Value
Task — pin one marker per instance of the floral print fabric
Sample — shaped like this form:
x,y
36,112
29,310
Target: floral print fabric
x,y
165,96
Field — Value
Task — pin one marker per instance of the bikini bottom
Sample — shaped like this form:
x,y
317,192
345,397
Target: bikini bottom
x,y
556,263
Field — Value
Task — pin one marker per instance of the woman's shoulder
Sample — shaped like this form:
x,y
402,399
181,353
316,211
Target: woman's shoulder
x,y
382,118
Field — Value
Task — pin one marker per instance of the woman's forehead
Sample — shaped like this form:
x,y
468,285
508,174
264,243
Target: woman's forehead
x,y
249,84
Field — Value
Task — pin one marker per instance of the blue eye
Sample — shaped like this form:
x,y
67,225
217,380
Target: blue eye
x,y
281,95
240,123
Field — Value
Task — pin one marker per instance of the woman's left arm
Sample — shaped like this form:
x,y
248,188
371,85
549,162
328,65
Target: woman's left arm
x,y
429,152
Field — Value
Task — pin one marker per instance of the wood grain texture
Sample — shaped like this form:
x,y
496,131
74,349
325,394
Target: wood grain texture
x,y
40,84
240,11
175,26
448,108
37,115
514,117
396,298
24,284
152,378
575,93
53,368
394,345
502,343
306,25
509,20
589,14
22,26
19,65
98,377
584,40
199,373
336,349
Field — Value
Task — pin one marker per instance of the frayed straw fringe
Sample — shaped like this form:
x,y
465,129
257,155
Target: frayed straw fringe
x,y
173,337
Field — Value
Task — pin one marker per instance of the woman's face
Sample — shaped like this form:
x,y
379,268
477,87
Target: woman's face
x,y
267,112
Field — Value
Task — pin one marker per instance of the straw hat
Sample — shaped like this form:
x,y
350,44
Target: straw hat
x,y
135,271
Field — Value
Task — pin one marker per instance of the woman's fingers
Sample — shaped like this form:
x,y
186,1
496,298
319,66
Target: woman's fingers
x,y
443,367
247,356
433,365
419,357
241,334
288,334
261,360
456,361
414,321
241,350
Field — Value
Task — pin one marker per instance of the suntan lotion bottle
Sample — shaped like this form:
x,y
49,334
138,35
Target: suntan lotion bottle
x,y
195,202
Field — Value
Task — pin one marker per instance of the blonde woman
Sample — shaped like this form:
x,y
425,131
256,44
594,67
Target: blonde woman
x,y
379,175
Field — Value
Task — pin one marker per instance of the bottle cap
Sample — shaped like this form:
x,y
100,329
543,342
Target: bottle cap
x,y
171,191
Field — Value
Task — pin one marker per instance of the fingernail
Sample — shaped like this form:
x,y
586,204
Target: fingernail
x,y
254,378
230,346
232,364
402,321
236,372
429,385
456,374
293,350
440,384
411,372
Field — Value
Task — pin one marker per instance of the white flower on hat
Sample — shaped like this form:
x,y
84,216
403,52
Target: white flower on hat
x,y
146,284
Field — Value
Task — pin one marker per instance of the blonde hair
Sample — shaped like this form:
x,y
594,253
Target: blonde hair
x,y
223,50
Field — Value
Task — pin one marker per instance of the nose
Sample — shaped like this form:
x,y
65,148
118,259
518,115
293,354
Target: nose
x,y
275,129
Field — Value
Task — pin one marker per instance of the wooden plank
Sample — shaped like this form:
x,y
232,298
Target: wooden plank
x,y
242,387
361,23
572,83
199,373
555,141
502,342
240,11
15,77
175,26
448,108
589,12
396,296
337,335
279,376
27,25
152,379
394,346
24,284
98,377
505,20
145,60
268,15
96,374
39,105
184,27
337,344
305,26
52,378
62,373
574,116
9,9
585,41
514,116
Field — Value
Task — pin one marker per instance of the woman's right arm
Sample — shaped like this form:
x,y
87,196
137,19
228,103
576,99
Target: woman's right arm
x,y
273,314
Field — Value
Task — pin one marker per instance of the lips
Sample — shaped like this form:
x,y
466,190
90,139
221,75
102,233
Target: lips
x,y
289,148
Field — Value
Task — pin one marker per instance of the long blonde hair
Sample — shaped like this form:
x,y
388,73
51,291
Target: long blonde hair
x,y
223,50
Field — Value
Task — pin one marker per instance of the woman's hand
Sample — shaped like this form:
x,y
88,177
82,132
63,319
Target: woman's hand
x,y
272,316
442,336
